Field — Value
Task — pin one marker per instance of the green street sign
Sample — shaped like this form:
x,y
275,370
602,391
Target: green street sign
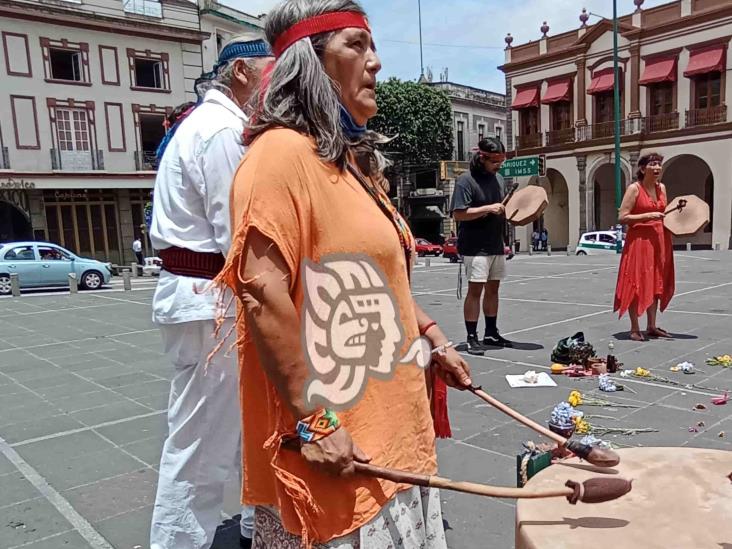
x,y
521,167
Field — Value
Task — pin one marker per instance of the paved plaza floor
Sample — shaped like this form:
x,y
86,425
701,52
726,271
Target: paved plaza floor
x,y
84,388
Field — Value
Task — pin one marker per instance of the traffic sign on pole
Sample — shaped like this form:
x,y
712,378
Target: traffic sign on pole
x,y
520,167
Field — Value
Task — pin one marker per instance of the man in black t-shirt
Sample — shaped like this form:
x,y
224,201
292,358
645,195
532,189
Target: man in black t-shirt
x,y
476,205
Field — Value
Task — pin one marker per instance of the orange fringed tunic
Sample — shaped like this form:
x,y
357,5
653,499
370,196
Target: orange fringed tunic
x,y
310,210
647,264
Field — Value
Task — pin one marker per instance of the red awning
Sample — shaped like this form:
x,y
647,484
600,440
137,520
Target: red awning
x,y
525,98
659,70
603,81
557,91
705,61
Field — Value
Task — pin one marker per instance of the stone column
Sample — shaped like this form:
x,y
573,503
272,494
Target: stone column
x,y
581,95
633,159
38,214
127,229
634,78
509,115
581,168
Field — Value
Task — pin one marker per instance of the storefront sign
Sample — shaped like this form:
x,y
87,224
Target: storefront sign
x,y
70,196
11,183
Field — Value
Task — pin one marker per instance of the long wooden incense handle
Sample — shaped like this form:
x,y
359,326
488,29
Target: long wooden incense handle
x,y
591,491
600,457
530,423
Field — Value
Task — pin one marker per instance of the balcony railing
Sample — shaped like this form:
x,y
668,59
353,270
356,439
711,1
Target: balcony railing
x,y
528,141
77,160
603,130
557,137
630,126
662,122
146,160
706,117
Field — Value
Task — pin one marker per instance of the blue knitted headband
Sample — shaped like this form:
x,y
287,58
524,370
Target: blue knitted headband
x,y
251,48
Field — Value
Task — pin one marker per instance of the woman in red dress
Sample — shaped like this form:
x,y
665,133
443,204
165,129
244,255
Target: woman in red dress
x,y
646,275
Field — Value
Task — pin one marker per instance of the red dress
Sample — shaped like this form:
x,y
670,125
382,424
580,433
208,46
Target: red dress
x,y
647,264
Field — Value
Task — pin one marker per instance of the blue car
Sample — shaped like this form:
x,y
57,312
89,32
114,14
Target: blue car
x,y
42,264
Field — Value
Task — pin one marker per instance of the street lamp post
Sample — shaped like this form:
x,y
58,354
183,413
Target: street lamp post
x,y
616,93
421,57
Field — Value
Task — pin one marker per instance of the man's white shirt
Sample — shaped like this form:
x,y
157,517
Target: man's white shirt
x,y
191,203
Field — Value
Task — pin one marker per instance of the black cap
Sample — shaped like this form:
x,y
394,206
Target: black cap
x,y
491,145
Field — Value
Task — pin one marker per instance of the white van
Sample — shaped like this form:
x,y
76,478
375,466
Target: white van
x,y
597,242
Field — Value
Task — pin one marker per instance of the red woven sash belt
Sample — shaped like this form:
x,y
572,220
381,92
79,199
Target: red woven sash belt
x,y
183,262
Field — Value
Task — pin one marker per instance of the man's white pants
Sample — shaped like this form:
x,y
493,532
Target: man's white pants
x,y
203,449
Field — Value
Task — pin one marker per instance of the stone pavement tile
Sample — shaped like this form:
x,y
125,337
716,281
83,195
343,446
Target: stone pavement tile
x,y
137,429
77,387
33,412
23,363
19,397
86,468
55,350
465,422
35,428
470,463
109,412
11,358
42,382
63,448
29,521
127,530
14,488
36,372
151,388
106,371
76,403
86,362
507,439
688,402
106,498
477,522
148,450
158,401
6,466
67,540
77,358
125,380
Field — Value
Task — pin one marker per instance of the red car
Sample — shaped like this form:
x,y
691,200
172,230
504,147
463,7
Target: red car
x,y
449,250
425,247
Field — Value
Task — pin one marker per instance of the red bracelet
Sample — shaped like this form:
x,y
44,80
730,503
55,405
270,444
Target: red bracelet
x,y
423,331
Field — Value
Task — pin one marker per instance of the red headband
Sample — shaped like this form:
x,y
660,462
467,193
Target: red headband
x,y
317,25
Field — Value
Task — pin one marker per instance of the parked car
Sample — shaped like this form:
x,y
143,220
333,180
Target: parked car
x,y
425,247
597,242
450,251
152,266
43,264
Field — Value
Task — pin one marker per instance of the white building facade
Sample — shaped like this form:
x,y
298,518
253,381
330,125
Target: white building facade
x,y
86,87
673,68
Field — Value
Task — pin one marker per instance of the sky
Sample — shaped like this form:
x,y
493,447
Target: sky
x,y
464,36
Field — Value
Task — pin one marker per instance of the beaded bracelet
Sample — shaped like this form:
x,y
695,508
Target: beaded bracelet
x,y
317,426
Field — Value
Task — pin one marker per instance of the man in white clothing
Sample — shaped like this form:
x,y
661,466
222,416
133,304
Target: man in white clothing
x,y
191,229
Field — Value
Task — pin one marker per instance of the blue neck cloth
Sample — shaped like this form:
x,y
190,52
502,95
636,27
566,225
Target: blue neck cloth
x,y
350,128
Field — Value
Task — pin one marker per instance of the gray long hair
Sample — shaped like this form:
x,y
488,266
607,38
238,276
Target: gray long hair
x,y
301,96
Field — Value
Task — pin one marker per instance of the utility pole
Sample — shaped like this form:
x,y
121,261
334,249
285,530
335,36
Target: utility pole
x,y
616,93
421,57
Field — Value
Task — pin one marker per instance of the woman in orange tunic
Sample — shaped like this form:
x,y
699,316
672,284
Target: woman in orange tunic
x,y
646,275
332,346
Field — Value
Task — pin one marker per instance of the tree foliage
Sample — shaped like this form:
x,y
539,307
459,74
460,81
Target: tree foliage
x,y
421,116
